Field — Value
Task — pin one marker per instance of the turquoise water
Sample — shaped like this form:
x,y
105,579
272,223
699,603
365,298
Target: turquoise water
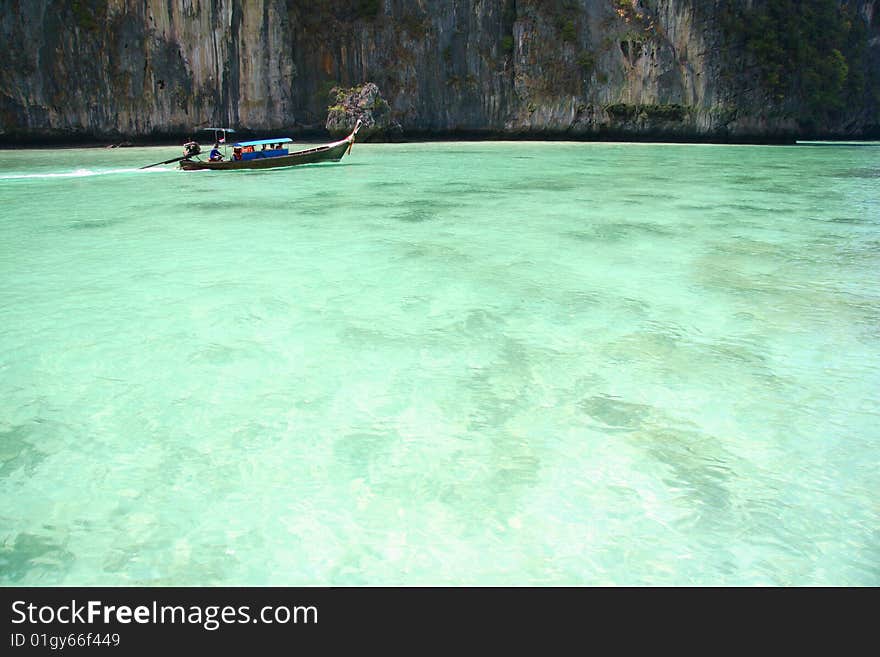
x,y
458,363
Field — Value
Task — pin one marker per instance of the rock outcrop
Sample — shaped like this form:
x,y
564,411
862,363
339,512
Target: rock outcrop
x,y
682,69
364,104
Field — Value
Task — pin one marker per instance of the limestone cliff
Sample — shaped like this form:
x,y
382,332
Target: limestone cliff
x,y
362,105
690,69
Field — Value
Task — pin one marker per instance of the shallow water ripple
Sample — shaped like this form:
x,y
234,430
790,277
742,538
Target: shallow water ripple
x,y
493,363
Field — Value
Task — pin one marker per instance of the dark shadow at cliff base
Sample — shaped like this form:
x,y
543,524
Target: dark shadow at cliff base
x,y
171,138
316,135
648,136
603,136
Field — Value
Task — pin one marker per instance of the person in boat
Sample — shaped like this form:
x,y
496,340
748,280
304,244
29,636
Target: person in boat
x,y
236,153
215,155
191,148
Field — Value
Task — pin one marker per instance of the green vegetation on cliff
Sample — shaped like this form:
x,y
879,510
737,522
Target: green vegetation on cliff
x,y
89,14
808,52
667,112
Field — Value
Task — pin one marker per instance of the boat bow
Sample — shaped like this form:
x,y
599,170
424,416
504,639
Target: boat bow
x,y
351,138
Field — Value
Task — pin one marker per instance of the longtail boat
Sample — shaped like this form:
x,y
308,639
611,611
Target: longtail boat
x,y
272,153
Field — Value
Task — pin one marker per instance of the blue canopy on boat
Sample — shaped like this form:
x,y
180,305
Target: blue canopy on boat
x,y
260,142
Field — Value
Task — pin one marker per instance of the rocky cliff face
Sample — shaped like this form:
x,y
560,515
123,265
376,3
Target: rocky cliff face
x,y
701,69
362,106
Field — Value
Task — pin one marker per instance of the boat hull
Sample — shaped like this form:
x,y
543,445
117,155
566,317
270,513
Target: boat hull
x,y
328,153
